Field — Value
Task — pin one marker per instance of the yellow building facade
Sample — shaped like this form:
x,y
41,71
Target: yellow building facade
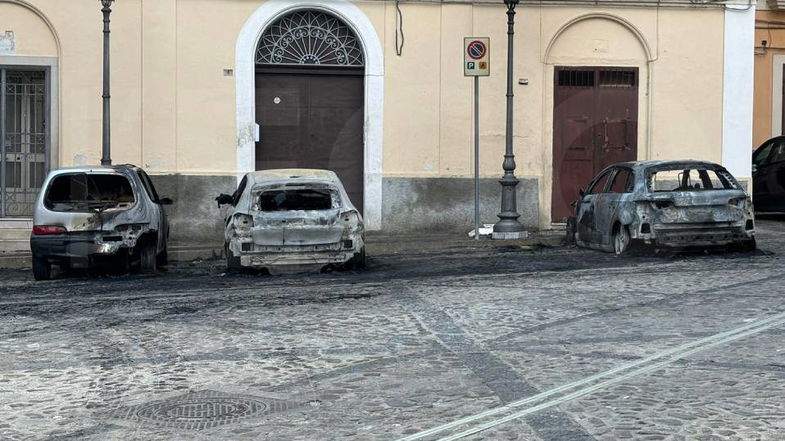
x,y
196,103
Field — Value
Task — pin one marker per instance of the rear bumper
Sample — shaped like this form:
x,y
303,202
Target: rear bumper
x,y
255,256
700,235
76,248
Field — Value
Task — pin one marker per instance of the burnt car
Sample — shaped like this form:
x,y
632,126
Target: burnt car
x,y
663,204
768,176
90,216
292,219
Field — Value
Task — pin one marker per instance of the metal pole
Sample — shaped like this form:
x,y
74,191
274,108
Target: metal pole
x,y
476,158
508,218
106,158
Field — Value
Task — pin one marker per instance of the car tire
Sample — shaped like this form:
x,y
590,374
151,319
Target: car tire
x,y
148,261
571,231
358,261
622,242
232,261
744,246
163,258
42,268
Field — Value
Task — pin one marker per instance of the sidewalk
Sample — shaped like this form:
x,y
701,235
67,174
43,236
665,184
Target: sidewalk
x,y
376,243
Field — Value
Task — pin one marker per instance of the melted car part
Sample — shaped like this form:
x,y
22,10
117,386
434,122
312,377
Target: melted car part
x,y
88,192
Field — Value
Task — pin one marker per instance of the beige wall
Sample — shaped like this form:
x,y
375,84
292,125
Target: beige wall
x,y
174,109
769,26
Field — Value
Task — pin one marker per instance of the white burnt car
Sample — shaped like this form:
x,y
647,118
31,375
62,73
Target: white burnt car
x,y
292,218
663,204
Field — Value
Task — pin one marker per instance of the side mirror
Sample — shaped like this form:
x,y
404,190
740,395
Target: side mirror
x,y
224,199
165,201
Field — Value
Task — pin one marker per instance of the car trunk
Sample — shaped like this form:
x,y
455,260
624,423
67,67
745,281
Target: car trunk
x,y
301,214
699,207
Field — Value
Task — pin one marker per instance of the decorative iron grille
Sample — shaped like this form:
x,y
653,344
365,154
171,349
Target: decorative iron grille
x,y
310,37
23,139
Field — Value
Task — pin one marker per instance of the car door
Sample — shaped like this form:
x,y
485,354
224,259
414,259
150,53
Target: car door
x,y
621,183
163,221
587,208
761,191
775,177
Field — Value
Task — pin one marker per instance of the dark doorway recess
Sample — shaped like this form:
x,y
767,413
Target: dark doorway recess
x,y
595,124
313,118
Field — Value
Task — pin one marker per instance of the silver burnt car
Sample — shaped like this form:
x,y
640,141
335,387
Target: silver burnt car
x,y
288,219
105,214
674,204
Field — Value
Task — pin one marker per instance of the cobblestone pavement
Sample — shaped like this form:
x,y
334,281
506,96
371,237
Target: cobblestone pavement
x,y
559,343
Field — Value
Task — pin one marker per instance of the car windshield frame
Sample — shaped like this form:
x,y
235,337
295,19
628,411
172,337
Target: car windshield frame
x,y
725,178
282,188
90,205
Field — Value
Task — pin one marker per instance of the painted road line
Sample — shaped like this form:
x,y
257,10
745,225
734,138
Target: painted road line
x,y
722,336
604,384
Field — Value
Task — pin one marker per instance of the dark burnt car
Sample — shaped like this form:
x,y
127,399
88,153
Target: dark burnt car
x,y
89,216
673,204
768,176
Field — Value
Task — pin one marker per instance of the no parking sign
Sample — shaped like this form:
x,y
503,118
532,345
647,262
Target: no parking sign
x,y
476,56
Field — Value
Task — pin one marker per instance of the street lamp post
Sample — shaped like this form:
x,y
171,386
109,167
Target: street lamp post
x,y
508,225
106,158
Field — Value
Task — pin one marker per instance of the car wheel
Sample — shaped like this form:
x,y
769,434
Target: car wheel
x,y
571,231
621,241
232,261
163,258
42,269
358,260
147,259
745,246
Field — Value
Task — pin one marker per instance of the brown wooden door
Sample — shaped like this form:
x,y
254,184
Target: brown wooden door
x,y
312,121
595,124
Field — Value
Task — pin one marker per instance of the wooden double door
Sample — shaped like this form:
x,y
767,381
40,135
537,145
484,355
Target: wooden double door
x,y
595,124
313,119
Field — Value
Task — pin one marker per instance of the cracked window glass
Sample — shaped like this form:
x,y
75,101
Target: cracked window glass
x,y
88,192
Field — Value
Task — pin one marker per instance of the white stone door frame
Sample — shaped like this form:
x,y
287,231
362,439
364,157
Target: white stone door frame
x,y
245,67
778,62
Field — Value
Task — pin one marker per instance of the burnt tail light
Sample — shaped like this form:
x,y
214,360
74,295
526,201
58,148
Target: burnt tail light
x,y
48,230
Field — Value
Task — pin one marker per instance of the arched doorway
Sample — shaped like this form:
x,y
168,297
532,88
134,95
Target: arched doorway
x,y
310,97
599,92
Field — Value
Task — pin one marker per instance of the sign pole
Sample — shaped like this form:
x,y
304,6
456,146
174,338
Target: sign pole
x,y
476,158
476,63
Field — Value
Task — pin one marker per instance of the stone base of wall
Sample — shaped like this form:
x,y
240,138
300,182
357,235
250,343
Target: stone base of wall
x,y
194,217
447,204
410,205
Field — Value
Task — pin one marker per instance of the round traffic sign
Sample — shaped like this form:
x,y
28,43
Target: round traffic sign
x,y
477,49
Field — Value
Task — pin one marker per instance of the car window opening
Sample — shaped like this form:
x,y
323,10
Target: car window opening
x,y
690,180
84,191
300,199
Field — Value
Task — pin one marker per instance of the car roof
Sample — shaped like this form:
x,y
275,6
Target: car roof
x,y
666,164
288,174
94,168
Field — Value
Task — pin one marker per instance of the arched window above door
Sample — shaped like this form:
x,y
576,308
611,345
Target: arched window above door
x,y
310,38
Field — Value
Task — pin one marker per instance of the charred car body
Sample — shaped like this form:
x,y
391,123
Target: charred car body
x,y
292,218
91,215
675,204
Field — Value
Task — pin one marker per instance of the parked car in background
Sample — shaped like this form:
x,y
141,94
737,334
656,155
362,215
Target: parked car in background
x,y
88,216
292,218
663,204
768,176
